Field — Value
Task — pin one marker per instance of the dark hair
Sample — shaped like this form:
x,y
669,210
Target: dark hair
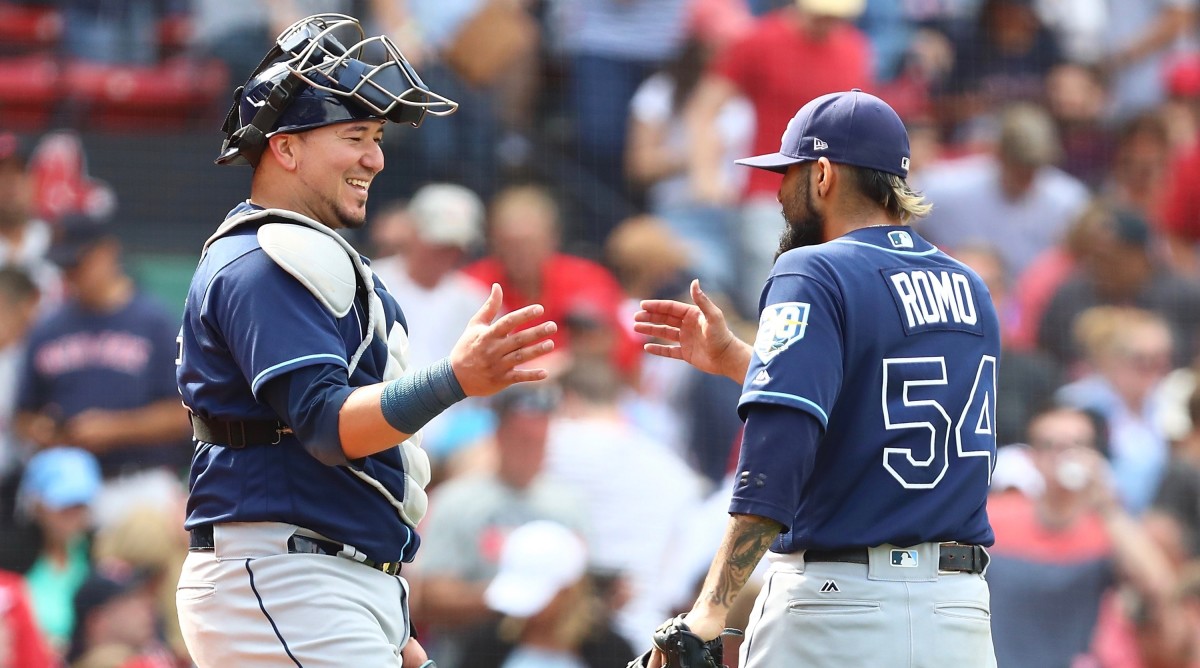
x,y
16,284
1146,123
685,71
1099,422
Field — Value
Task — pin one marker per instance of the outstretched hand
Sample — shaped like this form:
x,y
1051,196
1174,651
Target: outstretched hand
x,y
700,335
486,357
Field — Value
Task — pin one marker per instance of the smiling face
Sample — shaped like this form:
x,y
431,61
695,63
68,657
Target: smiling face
x,y
335,165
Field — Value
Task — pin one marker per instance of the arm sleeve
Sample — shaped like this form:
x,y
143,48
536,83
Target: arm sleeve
x,y
310,399
779,447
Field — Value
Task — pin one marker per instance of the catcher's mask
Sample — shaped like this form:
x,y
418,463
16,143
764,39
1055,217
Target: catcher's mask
x,y
310,79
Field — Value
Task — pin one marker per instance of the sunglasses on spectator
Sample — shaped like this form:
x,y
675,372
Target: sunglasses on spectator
x,y
1060,444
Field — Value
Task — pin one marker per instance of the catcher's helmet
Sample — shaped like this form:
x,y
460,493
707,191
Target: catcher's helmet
x,y
309,79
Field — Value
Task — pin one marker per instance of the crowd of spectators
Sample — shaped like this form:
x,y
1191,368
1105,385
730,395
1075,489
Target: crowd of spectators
x,y
589,167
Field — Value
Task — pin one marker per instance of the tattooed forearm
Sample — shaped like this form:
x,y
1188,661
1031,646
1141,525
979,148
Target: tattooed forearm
x,y
746,540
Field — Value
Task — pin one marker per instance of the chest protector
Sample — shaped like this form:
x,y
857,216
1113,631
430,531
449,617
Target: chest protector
x,y
329,267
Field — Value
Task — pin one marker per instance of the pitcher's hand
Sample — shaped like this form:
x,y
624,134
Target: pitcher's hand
x,y
703,338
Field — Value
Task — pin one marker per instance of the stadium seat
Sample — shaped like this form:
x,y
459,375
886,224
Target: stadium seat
x,y
24,29
30,91
169,96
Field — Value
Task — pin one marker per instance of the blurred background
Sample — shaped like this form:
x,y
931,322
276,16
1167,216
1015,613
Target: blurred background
x,y
590,167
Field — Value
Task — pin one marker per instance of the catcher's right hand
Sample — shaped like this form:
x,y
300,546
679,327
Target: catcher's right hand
x,y
681,648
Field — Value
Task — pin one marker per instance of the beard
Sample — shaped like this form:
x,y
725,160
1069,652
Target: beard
x,y
805,225
352,221
344,219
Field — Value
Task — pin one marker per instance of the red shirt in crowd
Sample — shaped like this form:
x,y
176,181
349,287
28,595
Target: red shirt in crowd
x,y
779,68
23,645
570,285
1181,213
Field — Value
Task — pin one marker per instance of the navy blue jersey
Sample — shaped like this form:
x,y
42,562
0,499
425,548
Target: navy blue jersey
x,y
891,346
78,360
248,322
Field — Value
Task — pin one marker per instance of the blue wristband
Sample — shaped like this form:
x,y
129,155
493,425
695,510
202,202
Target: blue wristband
x,y
410,402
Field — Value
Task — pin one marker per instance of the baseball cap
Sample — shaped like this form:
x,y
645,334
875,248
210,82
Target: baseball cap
x,y
447,214
105,585
538,560
852,128
77,234
842,9
1183,76
61,477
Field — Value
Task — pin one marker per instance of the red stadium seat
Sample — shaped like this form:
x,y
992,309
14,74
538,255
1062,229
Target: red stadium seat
x,y
30,91
28,28
169,96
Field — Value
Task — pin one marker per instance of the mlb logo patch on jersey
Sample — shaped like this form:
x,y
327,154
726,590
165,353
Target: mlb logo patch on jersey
x,y
780,326
904,558
900,239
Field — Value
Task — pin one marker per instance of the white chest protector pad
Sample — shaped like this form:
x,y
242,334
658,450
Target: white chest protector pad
x,y
314,259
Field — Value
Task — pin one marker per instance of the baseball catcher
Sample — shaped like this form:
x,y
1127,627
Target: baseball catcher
x,y
308,476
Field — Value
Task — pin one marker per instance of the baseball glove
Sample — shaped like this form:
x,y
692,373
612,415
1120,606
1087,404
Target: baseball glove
x,y
684,649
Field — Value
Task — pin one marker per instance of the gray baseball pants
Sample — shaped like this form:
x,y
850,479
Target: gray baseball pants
x,y
881,614
250,604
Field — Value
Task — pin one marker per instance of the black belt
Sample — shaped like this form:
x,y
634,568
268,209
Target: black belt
x,y
202,541
951,557
237,434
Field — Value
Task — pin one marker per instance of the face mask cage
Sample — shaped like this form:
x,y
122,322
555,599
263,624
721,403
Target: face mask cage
x,y
371,73
390,88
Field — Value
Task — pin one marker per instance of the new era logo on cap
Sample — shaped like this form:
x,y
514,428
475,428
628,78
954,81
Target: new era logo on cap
x,y
819,145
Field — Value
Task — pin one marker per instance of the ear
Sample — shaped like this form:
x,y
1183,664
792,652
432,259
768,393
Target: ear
x,y
283,148
824,176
